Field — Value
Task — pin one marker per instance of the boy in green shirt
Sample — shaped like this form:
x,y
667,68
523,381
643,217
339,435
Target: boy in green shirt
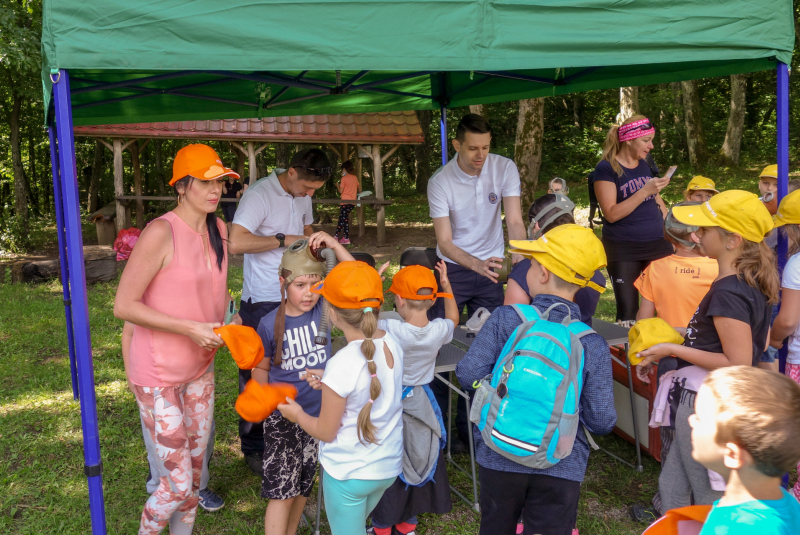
x,y
746,427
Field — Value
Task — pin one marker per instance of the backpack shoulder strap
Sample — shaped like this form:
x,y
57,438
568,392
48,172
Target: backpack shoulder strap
x,y
528,313
580,329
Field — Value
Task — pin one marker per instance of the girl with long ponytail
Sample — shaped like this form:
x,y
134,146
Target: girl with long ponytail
x,y
360,424
730,327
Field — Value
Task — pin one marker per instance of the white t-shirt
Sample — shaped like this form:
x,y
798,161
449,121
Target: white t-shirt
x,y
791,281
347,375
420,346
473,204
266,209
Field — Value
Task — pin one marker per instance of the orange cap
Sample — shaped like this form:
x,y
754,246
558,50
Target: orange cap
x,y
245,345
258,401
411,279
352,284
200,161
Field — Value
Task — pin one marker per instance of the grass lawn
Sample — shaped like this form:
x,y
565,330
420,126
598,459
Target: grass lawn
x,y
41,458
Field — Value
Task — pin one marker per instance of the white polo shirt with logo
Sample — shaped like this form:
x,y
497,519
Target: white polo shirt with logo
x,y
266,209
473,204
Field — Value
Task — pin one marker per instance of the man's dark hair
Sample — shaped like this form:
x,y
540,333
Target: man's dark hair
x,y
348,166
472,122
311,159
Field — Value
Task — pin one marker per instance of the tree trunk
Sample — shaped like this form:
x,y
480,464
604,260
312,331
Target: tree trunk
x,y
695,138
20,187
160,182
528,147
98,167
32,175
578,112
423,153
476,108
628,103
282,155
732,147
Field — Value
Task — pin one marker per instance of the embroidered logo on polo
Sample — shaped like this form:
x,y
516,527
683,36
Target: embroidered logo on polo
x,y
493,198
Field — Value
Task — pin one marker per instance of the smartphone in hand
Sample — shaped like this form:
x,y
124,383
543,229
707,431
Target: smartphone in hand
x,y
670,171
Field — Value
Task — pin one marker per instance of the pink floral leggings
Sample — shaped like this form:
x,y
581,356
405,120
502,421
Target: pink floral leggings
x,y
178,419
793,371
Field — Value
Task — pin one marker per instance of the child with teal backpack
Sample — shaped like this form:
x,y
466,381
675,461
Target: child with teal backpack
x,y
527,463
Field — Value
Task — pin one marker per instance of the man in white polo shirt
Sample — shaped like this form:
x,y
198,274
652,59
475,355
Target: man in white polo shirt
x,y
274,212
465,196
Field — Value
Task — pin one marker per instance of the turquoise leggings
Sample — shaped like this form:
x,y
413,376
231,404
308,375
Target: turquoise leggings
x,y
348,503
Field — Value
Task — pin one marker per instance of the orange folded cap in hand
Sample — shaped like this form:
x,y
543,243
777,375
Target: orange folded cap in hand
x,y
244,344
258,401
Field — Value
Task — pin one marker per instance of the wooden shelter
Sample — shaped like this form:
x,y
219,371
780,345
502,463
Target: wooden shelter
x,y
342,133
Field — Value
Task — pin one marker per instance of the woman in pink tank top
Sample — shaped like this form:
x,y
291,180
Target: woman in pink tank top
x,y
174,290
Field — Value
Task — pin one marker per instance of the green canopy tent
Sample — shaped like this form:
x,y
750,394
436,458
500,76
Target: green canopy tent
x,y
110,62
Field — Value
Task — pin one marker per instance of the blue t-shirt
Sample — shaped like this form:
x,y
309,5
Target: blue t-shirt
x,y
586,298
646,222
299,353
776,517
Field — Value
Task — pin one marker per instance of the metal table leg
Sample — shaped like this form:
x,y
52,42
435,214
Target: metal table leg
x,y
474,504
638,467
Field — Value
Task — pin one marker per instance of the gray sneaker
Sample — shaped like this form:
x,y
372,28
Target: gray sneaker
x,y
255,462
210,501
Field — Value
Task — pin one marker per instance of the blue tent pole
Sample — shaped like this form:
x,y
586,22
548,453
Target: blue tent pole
x,y
93,465
782,110
62,256
443,133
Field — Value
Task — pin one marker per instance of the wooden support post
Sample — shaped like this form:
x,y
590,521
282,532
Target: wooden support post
x,y
137,184
123,212
361,228
378,177
251,157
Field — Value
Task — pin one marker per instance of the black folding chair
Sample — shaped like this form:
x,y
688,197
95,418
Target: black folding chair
x,y
364,257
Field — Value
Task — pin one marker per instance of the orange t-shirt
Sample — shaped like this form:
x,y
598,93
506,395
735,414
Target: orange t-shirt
x,y
676,285
349,187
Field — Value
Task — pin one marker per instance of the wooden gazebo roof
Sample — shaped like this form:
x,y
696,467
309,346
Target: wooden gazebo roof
x,y
395,128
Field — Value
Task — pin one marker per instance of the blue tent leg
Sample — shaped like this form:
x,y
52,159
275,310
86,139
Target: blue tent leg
x,y
782,109
443,133
62,255
93,466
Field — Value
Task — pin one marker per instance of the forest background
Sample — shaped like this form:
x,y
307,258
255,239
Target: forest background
x,y
711,126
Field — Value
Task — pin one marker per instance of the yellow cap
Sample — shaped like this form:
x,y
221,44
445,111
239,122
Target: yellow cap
x,y
570,252
734,210
647,333
788,210
770,171
701,183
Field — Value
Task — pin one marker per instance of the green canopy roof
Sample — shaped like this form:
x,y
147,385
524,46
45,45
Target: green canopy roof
x,y
209,59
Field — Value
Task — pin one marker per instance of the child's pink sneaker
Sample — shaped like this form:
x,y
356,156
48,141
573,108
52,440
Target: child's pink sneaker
x,y
520,528
344,241
575,531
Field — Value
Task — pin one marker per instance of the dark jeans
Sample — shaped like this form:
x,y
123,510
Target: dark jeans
x,y
252,434
548,505
473,291
228,210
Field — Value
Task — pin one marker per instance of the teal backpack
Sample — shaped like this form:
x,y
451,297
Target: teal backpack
x,y
527,409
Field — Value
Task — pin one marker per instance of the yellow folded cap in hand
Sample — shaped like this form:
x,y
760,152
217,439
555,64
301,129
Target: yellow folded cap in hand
x,y
647,333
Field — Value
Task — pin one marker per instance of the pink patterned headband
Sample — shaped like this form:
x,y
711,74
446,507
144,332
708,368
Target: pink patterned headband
x,y
635,129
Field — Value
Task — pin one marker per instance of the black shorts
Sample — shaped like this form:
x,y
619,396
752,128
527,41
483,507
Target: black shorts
x,y
290,459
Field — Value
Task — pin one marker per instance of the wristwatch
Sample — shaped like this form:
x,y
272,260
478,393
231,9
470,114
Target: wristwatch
x,y
280,237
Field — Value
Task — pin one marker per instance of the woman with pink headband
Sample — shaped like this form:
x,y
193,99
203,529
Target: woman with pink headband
x,y
633,211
